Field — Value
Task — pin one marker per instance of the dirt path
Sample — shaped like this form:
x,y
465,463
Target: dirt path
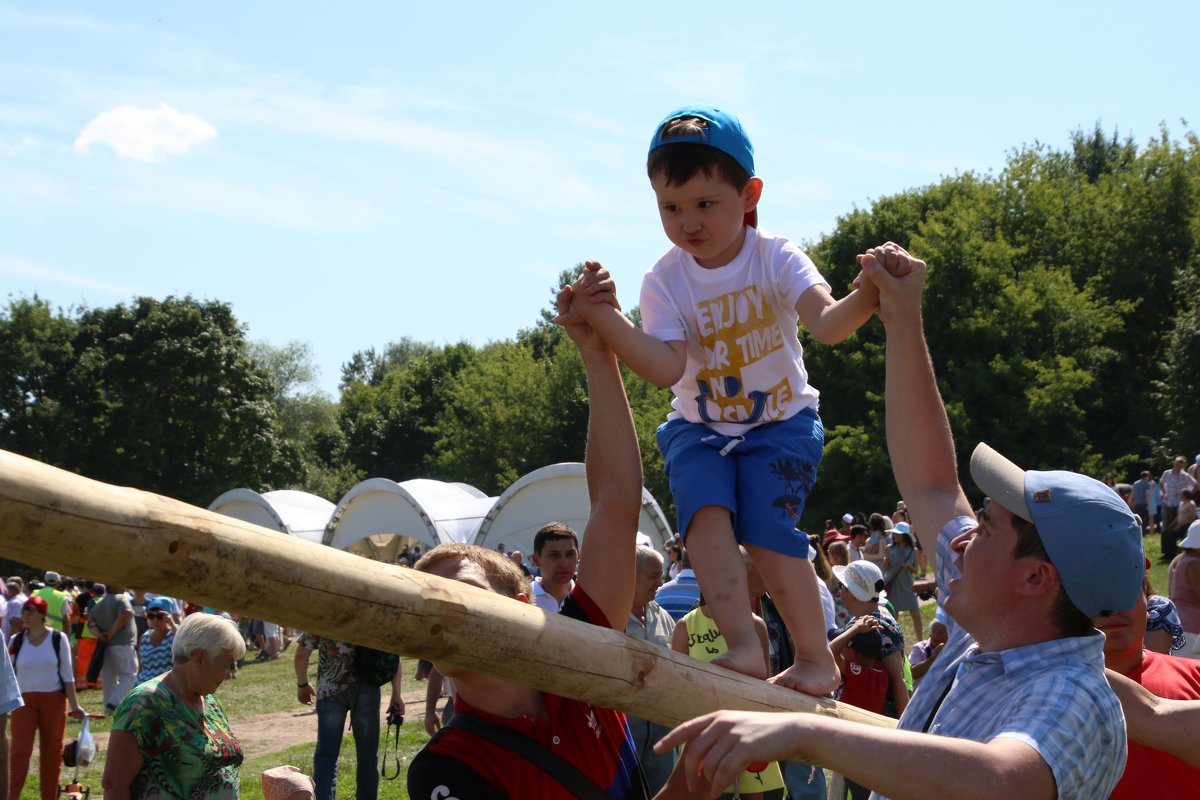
x,y
270,733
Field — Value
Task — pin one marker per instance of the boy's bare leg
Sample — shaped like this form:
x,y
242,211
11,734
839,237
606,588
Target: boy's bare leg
x,y
793,586
722,575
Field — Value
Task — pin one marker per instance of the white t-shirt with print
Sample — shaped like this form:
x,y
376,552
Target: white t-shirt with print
x,y
744,360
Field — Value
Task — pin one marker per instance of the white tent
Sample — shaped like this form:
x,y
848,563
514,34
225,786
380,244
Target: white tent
x,y
430,512
556,492
300,514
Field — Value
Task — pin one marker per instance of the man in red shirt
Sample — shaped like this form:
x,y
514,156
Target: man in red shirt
x,y
473,757
1149,772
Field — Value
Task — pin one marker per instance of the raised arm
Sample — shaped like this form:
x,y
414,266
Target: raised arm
x,y
919,439
614,477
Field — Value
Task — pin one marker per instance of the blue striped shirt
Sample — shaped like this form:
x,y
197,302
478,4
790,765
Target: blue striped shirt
x,y
679,596
1051,695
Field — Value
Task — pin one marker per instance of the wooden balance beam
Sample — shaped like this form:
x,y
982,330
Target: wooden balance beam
x,y
130,538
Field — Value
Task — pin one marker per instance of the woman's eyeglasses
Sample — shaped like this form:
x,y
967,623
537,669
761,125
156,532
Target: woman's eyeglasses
x,y
156,615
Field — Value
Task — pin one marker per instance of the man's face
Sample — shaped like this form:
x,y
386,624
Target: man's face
x,y
557,561
1178,465
704,217
1123,632
647,581
859,540
984,556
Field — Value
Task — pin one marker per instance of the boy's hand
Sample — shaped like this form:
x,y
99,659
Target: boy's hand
x,y
597,284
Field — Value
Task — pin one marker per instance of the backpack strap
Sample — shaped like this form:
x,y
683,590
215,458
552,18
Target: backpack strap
x,y
56,643
556,767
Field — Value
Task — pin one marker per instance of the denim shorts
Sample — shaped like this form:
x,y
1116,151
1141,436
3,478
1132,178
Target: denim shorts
x,y
763,476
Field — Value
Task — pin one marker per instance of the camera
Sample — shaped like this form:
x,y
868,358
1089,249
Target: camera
x,y
395,717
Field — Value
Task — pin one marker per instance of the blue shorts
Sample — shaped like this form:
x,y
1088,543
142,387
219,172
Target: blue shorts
x,y
763,477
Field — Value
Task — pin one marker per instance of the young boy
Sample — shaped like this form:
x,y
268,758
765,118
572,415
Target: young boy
x,y
742,445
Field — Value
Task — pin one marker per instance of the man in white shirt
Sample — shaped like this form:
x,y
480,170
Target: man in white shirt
x,y
556,554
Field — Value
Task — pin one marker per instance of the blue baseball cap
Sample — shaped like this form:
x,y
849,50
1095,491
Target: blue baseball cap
x,y
724,132
161,604
1090,535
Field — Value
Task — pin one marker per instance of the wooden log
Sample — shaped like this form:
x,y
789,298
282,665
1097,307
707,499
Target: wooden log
x,y
130,538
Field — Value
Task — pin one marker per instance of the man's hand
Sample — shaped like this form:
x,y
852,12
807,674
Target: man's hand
x,y
866,623
584,336
433,723
721,745
305,694
900,278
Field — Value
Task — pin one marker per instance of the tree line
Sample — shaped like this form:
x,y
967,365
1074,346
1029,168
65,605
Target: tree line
x,y
1062,311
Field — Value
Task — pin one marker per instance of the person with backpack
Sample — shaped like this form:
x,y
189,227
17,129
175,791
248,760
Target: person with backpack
x,y
348,681
42,659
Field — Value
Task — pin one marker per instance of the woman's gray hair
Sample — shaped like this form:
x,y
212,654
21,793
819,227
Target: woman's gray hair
x,y
216,636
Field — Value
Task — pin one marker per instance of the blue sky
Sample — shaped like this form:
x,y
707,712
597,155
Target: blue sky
x,y
349,174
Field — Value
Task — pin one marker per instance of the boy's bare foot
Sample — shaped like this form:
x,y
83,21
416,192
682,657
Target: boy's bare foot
x,y
817,679
746,660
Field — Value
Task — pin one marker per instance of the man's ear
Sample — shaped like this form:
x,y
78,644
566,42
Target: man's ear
x,y
524,598
536,559
1039,578
751,194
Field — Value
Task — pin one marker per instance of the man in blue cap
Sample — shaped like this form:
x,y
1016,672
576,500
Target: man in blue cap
x,y
1016,705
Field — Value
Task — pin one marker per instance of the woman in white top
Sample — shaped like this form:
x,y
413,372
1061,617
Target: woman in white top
x,y
47,682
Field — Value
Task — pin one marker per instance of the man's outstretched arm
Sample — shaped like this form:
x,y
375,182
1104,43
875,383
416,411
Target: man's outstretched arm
x,y
919,439
614,478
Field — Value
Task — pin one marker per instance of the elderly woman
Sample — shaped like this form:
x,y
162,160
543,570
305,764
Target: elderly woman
x,y
154,649
170,736
42,659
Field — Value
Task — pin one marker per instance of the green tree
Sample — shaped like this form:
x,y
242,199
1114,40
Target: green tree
x,y
389,424
497,421
163,396
36,355
307,420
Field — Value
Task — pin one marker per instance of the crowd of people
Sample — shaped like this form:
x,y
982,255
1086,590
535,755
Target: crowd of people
x,y
1037,590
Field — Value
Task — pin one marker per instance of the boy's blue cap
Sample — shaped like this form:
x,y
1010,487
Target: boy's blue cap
x,y
724,132
1091,536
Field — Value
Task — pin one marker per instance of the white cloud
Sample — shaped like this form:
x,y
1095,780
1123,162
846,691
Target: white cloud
x,y
144,134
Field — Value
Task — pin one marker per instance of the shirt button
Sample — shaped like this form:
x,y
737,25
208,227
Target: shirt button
x,y
555,740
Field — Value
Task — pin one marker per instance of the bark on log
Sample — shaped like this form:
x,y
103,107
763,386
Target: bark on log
x,y
130,538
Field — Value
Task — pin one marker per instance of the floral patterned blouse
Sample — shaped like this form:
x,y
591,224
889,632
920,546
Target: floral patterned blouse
x,y
185,755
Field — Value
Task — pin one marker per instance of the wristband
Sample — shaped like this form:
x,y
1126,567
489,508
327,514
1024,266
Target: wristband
x,y
302,685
